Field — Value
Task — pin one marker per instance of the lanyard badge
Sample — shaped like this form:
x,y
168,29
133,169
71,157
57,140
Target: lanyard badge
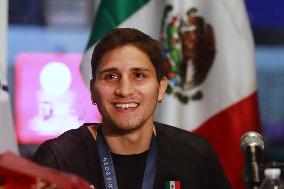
x,y
108,167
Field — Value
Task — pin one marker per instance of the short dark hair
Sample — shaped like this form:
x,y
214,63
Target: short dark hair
x,y
119,37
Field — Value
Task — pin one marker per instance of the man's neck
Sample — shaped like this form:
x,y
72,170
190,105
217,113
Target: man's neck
x,y
129,142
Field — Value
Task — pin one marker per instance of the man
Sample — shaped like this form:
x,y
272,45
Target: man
x,y
128,150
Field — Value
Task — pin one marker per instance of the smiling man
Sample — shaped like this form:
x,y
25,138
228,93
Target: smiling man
x,y
128,150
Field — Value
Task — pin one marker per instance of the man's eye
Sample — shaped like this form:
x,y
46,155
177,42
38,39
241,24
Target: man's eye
x,y
139,75
110,77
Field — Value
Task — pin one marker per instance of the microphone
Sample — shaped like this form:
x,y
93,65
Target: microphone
x,y
252,146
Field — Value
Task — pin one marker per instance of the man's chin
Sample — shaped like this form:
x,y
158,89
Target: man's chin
x,y
127,126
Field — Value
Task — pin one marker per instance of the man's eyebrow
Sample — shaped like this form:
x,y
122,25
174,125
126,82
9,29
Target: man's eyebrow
x,y
140,69
108,70
134,69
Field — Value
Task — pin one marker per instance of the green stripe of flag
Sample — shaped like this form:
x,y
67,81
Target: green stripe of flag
x,y
110,14
167,185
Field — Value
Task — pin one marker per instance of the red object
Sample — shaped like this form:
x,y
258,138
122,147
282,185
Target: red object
x,y
20,173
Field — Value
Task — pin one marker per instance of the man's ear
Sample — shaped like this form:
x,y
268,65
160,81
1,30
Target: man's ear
x,y
92,90
163,84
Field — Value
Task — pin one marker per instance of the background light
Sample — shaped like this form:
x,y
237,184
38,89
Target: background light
x,y
55,78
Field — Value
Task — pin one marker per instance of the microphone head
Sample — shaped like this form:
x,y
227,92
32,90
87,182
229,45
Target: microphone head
x,y
251,138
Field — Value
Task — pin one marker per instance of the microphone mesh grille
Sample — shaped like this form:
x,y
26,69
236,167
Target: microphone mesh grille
x,y
252,139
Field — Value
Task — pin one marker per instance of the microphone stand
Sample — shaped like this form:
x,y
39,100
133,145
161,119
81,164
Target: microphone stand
x,y
254,166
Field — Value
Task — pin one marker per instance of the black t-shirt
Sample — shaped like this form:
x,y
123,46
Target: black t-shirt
x,y
181,156
129,169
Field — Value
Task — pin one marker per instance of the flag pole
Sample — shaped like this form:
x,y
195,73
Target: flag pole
x,y
7,132
3,37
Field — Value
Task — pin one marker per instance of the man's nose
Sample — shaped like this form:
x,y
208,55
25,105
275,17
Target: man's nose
x,y
124,87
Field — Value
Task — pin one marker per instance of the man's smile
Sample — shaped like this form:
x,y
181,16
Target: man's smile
x,y
126,105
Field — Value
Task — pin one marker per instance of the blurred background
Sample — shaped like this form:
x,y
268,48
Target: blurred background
x,y
41,31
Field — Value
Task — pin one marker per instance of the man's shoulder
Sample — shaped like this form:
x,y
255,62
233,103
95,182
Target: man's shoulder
x,y
70,152
69,140
177,136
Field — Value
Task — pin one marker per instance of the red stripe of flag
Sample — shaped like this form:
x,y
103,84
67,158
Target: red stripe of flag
x,y
224,131
177,184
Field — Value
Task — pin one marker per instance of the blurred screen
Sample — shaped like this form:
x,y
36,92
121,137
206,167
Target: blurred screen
x,y
50,96
266,14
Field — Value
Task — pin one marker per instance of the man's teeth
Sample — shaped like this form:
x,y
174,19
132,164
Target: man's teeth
x,y
130,105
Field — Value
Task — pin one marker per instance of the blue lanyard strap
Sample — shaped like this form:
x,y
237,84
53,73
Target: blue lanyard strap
x,y
108,167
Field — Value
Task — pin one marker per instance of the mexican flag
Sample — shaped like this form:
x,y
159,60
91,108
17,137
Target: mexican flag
x,y
172,185
209,60
7,134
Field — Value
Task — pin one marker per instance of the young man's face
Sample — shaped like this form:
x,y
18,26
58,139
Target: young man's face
x,y
126,88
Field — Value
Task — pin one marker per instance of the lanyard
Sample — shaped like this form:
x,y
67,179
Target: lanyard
x,y
108,167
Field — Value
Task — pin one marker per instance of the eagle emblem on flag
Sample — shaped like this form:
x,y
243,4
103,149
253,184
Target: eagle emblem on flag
x,y
188,46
